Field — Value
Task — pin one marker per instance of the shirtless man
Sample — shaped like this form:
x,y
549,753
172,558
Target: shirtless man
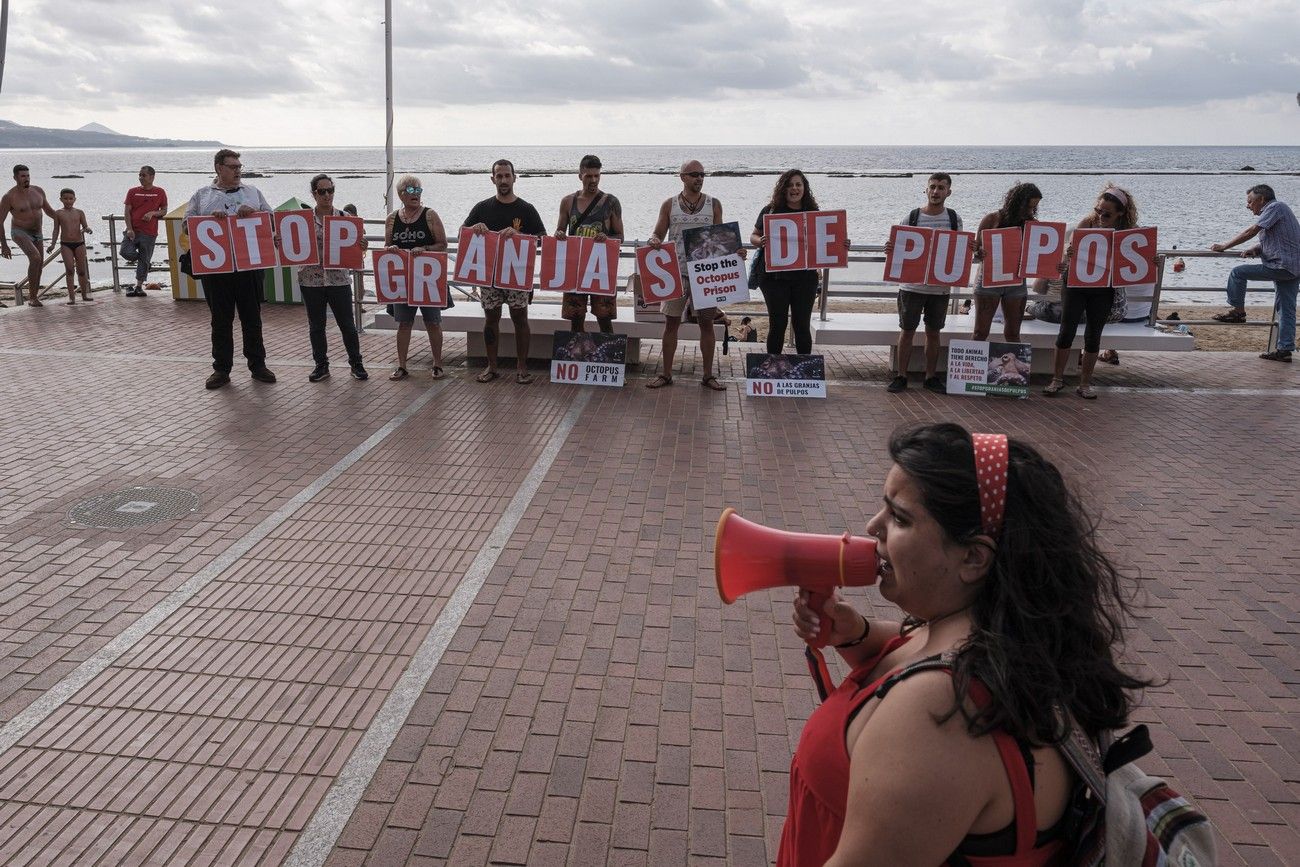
x,y
70,222
688,209
25,203
590,213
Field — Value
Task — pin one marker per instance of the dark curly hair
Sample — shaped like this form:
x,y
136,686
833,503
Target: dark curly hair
x,y
1015,210
808,203
1049,616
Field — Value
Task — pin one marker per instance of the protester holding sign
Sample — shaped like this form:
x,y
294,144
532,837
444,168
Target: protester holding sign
x,y
926,752
690,208
415,227
917,299
1018,207
1115,210
239,291
789,295
590,213
328,287
508,215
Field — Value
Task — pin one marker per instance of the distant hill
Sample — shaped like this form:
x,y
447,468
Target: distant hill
x,y
92,135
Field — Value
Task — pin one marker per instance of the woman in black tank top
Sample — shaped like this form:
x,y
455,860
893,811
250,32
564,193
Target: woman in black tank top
x,y
415,227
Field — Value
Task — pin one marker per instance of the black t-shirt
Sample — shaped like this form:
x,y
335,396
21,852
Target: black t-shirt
x,y
497,216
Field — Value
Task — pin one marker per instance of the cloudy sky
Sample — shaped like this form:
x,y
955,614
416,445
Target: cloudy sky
x,y
311,72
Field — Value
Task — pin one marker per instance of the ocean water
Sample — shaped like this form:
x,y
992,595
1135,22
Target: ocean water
x,y
1195,195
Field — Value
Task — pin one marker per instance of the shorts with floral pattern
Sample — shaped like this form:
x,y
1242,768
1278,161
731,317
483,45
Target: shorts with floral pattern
x,y
493,297
574,305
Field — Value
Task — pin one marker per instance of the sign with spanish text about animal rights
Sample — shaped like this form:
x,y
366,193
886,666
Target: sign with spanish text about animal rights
x,y
297,233
805,239
407,277
979,367
210,245
589,358
660,275
714,267
1133,257
343,242
784,375
516,261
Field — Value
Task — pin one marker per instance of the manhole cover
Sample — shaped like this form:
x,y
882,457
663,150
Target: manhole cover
x,y
132,507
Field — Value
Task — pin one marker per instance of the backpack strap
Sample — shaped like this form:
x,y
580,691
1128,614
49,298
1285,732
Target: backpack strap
x,y
914,217
953,220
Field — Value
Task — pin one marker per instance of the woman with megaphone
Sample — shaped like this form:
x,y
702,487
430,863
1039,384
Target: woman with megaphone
x,y
942,744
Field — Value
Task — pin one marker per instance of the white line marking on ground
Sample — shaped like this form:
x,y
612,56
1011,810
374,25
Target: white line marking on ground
x,y
40,709
322,832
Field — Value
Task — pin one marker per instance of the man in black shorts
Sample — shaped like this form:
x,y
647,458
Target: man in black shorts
x,y
509,215
590,213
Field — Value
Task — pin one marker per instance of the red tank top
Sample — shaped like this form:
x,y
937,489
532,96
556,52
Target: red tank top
x,y
819,781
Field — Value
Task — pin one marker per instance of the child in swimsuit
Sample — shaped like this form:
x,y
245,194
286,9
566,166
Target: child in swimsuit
x,y
70,222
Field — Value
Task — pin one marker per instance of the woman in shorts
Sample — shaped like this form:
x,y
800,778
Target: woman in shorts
x,y
1018,207
415,227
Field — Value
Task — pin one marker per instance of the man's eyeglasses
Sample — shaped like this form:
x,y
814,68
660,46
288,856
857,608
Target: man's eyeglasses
x,y
232,165
325,191
413,191
692,174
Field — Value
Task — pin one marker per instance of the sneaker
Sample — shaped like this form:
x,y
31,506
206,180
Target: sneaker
x,y
216,380
359,371
897,384
936,384
322,371
1277,355
261,374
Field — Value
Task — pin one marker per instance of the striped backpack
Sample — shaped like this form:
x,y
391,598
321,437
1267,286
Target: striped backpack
x,y
1132,818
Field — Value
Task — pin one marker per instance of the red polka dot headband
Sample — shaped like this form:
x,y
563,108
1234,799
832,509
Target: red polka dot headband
x,y
991,461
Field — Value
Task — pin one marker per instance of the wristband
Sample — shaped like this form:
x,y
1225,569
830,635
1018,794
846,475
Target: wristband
x,y
866,630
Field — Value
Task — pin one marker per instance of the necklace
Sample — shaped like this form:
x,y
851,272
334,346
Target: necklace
x,y
689,207
413,213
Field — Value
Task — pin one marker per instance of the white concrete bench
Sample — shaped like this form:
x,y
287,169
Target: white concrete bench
x,y
544,321
881,329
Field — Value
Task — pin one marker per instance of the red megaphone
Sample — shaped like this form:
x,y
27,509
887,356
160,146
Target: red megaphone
x,y
749,556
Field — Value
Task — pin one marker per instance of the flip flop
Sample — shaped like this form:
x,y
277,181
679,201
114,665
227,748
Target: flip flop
x,y
398,373
437,372
1232,316
659,381
712,382
487,376
523,378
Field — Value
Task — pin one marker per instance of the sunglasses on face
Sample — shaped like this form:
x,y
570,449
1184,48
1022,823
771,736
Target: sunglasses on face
x,y
413,191
692,174
325,191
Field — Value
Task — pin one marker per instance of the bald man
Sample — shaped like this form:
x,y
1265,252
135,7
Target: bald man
x,y
687,210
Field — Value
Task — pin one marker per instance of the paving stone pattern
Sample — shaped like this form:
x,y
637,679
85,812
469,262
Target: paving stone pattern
x,y
598,704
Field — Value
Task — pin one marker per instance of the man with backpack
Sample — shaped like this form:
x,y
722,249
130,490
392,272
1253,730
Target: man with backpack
x,y
590,213
917,299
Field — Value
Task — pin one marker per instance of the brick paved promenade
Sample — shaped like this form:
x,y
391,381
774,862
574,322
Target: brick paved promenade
x,y
465,624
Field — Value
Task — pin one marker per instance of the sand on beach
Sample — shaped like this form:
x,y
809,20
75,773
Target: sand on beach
x,y
1208,338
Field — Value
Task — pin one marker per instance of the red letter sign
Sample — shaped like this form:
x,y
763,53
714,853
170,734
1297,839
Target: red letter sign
x,y
1090,262
599,272
1001,266
516,259
297,231
950,261
784,246
476,257
391,268
427,279
828,239
661,277
1042,250
343,242
210,245
560,260
909,254
251,241
1133,257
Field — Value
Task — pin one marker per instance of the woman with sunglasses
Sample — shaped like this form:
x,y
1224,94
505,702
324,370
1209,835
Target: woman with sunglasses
x,y
1115,209
415,227
329,287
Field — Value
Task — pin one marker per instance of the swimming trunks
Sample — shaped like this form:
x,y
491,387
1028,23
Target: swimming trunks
x,y
15,233
72,245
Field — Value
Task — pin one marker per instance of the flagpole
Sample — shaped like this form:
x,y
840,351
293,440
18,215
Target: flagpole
x,y
388,104
4,33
